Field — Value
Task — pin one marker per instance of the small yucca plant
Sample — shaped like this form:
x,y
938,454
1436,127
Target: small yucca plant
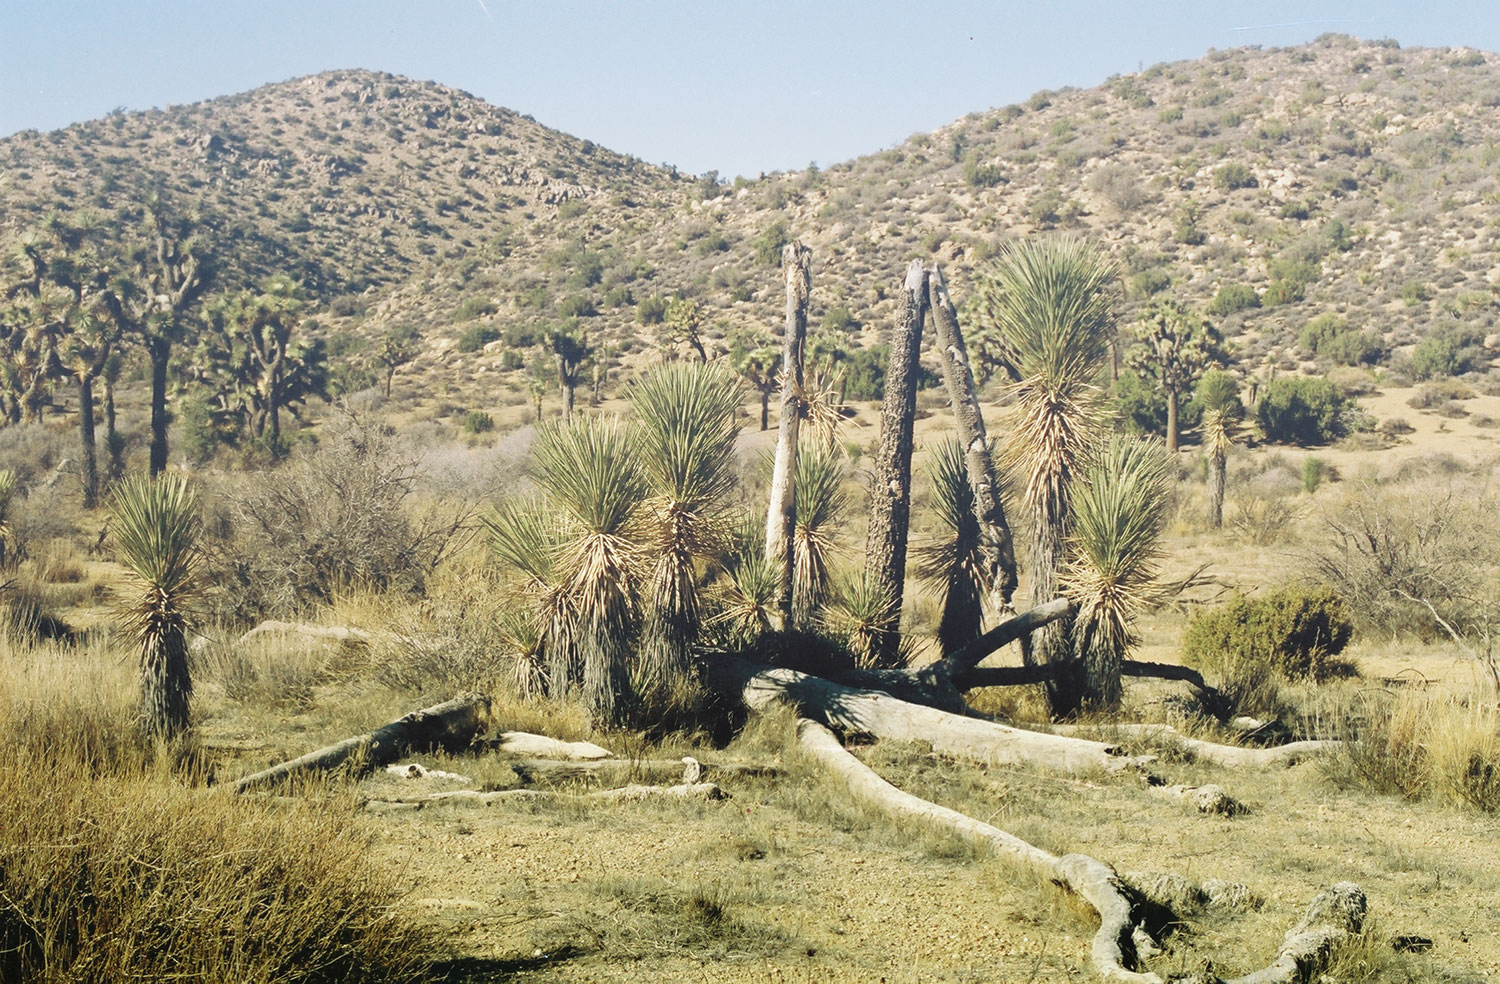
x,y
525,537
1118,515
861,614
685,435
950,561
821,504
155,525
746,596
587,469
1218,393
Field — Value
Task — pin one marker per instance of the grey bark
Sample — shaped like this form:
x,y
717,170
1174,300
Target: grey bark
x,y
997,547
781,515
90,451
1216,475
452,723
890,492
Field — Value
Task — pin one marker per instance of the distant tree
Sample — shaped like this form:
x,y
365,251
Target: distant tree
x,y
396,349
571,352
1174,348
758,366
1219,396
684,324
258,360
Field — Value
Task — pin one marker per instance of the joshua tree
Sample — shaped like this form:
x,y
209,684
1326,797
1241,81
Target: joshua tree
x,y
684,324
155,525
524,535
821,504
1050,302
571,352
84,354
685,434
1175,348
952,561
587,470
1219,395
1118,514
396,349
758,367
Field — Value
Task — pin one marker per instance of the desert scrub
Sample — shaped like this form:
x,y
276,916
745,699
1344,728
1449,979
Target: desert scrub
x,y
111,869
1297,632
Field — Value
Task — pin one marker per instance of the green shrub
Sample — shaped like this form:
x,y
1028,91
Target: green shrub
x,y
1312,473
511,359
1233,176
651,310
1330,337
1294,631
768,245
1232,298
477,337
474,307
839,319
1141,406
1450,352
1283,292
576,306
977,173
866,376
1301,410
519,336
478,422
1149,282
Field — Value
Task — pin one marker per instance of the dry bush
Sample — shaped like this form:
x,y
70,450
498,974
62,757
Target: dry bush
x,y
1390,551
111,869
338,517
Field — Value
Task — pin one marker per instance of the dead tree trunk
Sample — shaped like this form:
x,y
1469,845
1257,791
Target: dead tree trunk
x,y
890,492
997,549
1119,906
451,723
781,516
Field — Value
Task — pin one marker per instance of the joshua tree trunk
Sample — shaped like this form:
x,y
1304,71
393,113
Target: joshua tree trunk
x,y
1171,421
996,545
159,349
90,458
890,493
765,409
781,516
165,684
1216,469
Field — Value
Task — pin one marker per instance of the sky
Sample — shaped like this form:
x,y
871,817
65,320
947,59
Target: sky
x,y
734,86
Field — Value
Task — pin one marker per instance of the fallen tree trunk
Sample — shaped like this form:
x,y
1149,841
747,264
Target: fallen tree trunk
x,y
706,791
551,770
541,746
1113,949
330,633
450,724
875,713
1225,756
1336,915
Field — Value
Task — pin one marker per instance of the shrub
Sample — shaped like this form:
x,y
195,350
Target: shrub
x,y
476,337
1312,473
1301,410
1232,298
478,422
768,246
1450,352
1295,631
1149,282
1233,176
576,306
474,307
838,319
335,518
979,173
1141,406
651,310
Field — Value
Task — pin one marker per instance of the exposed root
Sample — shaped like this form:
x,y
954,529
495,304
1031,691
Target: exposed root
x,y
1225,756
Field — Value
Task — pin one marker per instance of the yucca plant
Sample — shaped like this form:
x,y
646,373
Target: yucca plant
x,y
1051,304
1118,515
525,537
950,561
745,597
862,615
155,524
8,484
1219,394
586,468
821,504
685,434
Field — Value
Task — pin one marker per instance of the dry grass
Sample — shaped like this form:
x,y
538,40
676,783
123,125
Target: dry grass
x,y
112,867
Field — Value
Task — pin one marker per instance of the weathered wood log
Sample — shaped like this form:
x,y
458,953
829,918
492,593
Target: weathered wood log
x,y
1335,915
872,712
1225,756
781,514
451,724
541,746
605,770
705,791
1113,949
890,486
996,546
330,633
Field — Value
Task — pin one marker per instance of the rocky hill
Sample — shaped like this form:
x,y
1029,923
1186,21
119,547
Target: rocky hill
x,y
1268,187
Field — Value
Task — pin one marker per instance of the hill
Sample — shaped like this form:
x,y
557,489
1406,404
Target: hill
x,y
1343,177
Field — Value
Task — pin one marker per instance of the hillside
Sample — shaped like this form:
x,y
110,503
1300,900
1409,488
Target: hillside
x,y
1340,177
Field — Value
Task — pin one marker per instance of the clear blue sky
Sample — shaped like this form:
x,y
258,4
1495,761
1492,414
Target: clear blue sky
x,y
739,87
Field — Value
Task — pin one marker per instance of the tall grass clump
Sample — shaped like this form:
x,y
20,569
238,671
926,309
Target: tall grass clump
x,y
1424,745
112,870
